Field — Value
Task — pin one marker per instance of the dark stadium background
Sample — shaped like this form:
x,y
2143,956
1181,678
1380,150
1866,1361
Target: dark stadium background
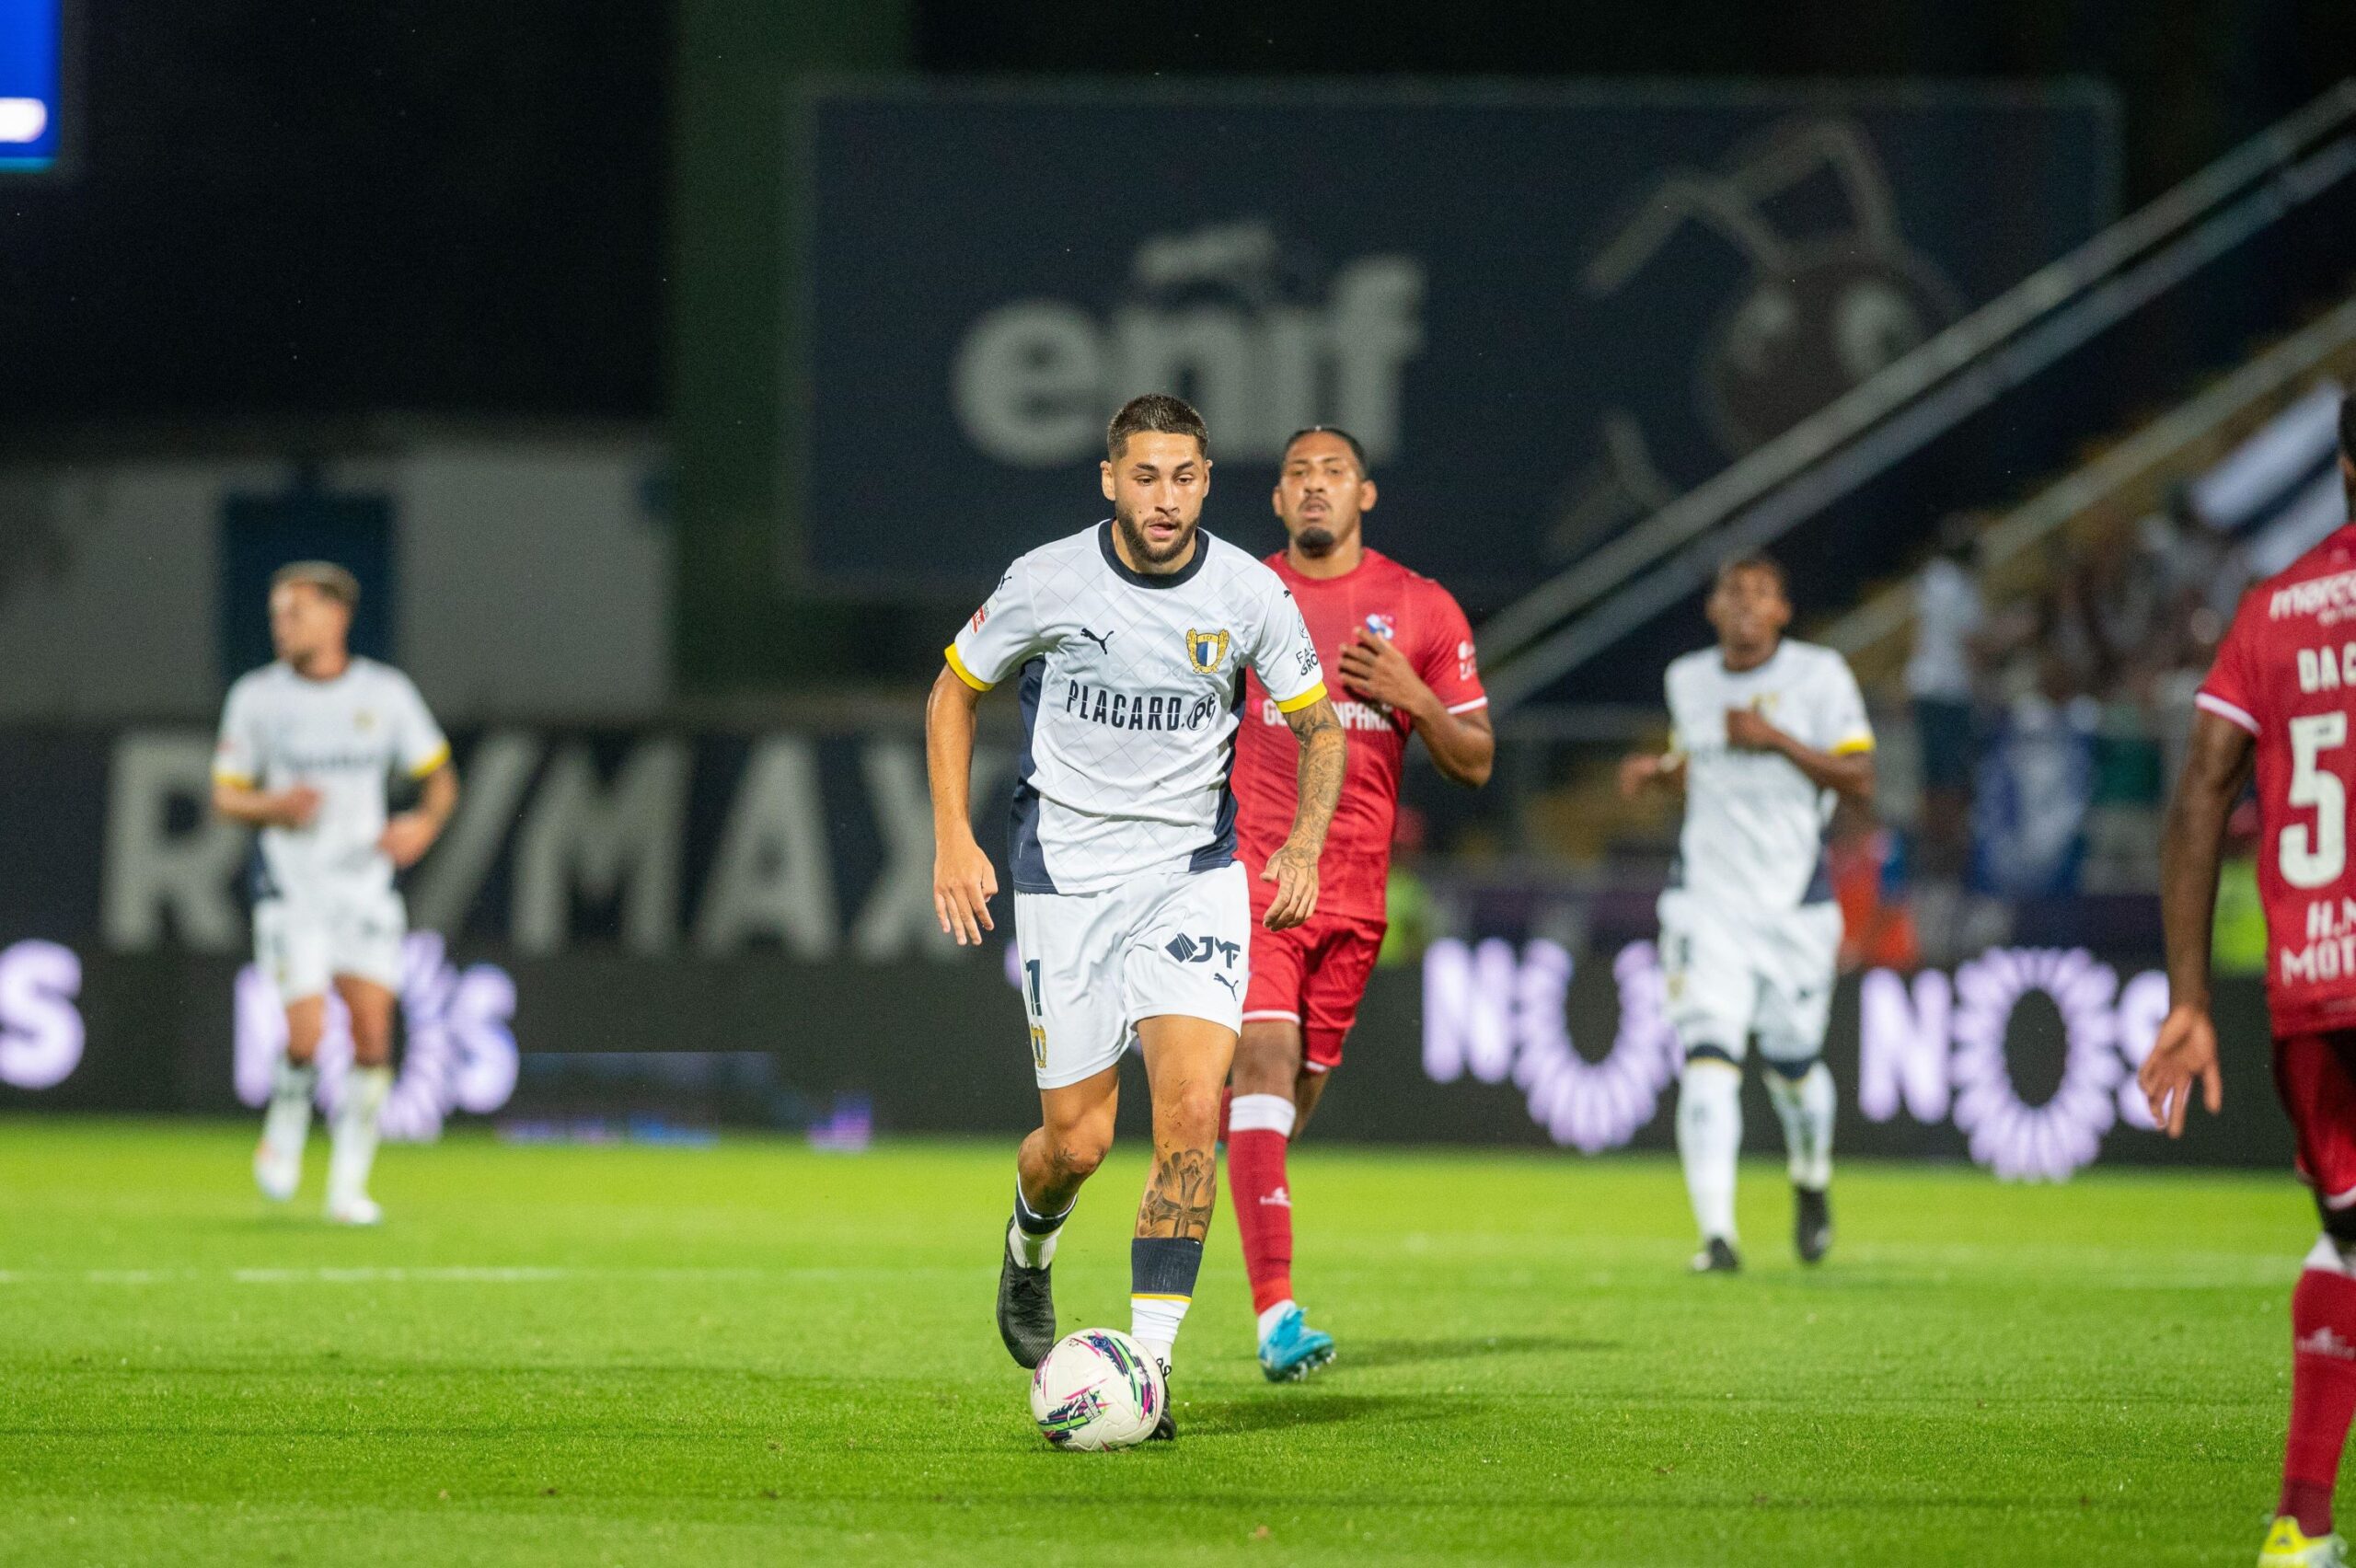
x,y
315,239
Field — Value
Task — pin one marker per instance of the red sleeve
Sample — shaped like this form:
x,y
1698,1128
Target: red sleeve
x,y
1448,664
2229,692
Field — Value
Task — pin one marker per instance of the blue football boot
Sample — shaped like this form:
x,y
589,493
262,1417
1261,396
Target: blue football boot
x,y
1292,1350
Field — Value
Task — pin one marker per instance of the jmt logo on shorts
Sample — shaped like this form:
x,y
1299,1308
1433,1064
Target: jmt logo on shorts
x,y
1191,949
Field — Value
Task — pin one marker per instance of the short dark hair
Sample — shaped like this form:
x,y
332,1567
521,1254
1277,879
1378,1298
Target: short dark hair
x,y
1357,451
324,575
1755,561
1158,412
2348,427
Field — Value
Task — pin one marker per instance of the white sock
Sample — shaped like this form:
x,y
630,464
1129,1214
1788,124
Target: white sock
x,y
1153,1323
354,1149
287,1123
1268,1318
1805,1107
1709,1137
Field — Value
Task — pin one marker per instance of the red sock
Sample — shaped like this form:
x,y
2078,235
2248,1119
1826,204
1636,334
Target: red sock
x,y
1262,1126
2323,1394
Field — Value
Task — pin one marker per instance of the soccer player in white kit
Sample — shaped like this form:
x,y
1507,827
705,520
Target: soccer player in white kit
x,y
1132,915
306,746
1767,735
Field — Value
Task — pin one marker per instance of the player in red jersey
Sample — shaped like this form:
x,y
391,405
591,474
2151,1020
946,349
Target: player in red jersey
x,y
1405,655
2282,700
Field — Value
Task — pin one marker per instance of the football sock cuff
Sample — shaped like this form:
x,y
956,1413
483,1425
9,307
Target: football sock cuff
x,y
1031,1222
1164,1266
1263,1113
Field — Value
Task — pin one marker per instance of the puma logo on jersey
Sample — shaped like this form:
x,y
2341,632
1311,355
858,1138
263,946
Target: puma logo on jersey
x,y
1103,643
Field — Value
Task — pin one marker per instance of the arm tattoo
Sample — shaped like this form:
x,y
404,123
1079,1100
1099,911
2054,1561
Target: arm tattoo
x,y
1178,1200
1323,752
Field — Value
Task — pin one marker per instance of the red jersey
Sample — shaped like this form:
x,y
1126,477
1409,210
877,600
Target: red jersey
x,y
1421,618
2286,673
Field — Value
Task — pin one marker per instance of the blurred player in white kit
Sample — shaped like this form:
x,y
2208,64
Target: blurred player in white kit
x,y
307,745
1768,733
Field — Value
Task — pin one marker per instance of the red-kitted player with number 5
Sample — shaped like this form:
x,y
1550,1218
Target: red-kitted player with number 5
x,y
2280,700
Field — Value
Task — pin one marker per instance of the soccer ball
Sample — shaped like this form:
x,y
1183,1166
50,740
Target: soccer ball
x,y
1097,1390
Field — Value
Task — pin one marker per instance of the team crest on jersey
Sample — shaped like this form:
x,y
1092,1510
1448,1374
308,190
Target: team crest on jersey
x,y
1383,626
1207,651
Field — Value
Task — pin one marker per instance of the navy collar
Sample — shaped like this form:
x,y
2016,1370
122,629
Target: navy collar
x,y
1147,580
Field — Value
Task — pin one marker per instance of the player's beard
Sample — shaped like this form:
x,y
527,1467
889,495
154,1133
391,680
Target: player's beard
x,y
1316,541
1133,535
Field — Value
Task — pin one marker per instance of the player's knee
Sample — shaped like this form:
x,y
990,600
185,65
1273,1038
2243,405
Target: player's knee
x,y
1189,1117
305,1025
1266,1062
1075,1154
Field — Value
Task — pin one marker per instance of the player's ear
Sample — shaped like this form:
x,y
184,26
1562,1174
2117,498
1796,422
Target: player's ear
x,y
1367,493
1104,472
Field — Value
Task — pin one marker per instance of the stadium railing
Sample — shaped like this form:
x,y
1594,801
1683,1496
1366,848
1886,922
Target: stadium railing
x,y
1566,621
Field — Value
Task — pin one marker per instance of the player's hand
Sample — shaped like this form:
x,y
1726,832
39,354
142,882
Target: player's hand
x,y
1374,668
2185,1049
1637,769
962,884
296,805
407,837
1294,871
1748,730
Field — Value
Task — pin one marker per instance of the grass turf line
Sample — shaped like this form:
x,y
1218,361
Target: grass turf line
x,y
744,1354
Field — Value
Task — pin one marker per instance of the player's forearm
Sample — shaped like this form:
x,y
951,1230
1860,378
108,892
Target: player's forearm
x,y
1850,775
2192,850
1463,747
254,808
439,800
1323,752
949,756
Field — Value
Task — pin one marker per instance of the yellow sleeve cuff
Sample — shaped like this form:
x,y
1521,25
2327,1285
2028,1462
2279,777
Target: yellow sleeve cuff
x,y
963,673
235,781
1853,745
1294,705
432,764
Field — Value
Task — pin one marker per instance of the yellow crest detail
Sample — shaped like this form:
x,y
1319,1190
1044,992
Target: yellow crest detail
x,y
1207,651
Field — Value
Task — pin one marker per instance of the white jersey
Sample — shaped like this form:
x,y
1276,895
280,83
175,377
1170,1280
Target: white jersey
x,y
1754,825
342,737
1130,689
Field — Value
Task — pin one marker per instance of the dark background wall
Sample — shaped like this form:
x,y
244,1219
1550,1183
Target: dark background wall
x,y
577,209
464,207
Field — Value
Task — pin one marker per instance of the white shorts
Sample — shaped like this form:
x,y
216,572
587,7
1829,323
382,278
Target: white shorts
x,y
304,941
1093,963
1733,974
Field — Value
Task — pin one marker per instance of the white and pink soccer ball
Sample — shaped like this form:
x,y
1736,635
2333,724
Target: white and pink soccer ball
x,y
1097,1390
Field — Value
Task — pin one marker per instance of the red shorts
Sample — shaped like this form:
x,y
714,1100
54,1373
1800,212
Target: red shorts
x,y
2316,1074
1314,975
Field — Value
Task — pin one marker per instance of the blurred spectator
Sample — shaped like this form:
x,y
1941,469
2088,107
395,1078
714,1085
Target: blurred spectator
x,y
2036,783
1941,678
1867,863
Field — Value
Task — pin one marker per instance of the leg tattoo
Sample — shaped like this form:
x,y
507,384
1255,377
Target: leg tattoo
x,y
1178,1200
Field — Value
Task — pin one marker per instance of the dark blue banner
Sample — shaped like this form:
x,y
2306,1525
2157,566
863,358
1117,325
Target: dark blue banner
x,y
1544,315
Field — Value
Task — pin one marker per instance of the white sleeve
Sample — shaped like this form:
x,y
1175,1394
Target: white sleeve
x,y
419,745
1843,727
236,755
1283,655
1000,637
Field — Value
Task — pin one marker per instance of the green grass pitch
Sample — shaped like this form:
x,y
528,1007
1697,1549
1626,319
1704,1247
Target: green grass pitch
x,y
756,1354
